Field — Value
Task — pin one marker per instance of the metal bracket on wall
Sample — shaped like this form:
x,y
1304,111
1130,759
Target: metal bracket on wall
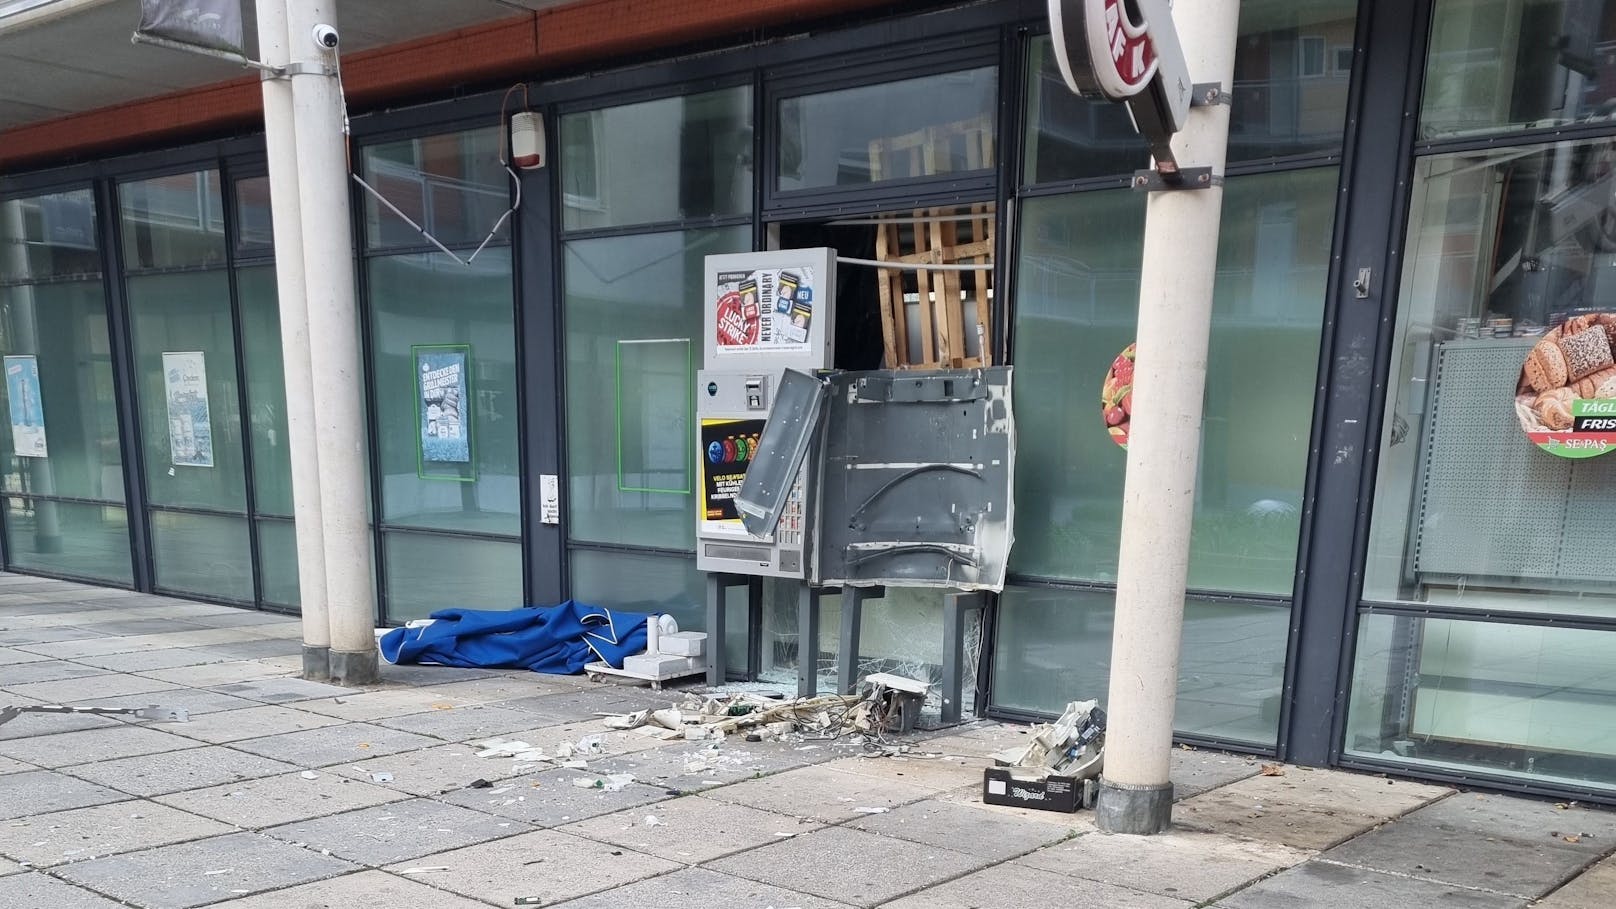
x,y
1152,181
1206,94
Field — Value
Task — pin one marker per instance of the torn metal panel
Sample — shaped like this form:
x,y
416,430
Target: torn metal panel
x,y
781,451
915,479
161,714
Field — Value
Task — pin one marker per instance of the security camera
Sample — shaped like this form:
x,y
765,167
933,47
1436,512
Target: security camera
x,y
326,36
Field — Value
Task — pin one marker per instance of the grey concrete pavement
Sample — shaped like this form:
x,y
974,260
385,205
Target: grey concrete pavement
x,y
287,793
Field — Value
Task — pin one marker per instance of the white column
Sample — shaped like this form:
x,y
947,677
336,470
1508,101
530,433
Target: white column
x,y
1164,439
294,313
334,349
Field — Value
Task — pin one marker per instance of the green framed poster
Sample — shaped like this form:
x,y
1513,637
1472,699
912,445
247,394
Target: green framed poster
x,y
443,441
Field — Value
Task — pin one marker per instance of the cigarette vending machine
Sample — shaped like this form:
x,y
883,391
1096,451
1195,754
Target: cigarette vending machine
x,y
765,313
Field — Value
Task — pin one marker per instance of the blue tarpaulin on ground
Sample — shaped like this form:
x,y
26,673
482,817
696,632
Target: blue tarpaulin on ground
x,y
556,639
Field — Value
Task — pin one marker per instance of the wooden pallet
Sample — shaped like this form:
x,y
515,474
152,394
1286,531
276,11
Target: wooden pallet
x,y
939,236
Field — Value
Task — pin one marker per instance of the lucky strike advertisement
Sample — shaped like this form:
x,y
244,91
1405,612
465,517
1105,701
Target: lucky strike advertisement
x,y
764,309
1566,396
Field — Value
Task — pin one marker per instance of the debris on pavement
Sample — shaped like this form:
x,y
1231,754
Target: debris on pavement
x,y
1056,770
153,712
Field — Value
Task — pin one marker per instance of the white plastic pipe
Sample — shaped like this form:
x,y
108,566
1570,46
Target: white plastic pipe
x,y
1158,502
334,349
286,214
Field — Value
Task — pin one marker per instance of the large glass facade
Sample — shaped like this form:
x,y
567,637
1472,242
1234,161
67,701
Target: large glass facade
x,y
63,471
1484,545
633,333
1078,256
443,377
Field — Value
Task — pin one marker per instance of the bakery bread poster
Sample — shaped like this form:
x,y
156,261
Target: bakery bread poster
x,y
764,309
1566,397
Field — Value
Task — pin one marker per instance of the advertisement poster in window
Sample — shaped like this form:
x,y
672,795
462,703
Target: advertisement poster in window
x,y
1566,397
27,407
443,402
1116,396
727,447
185,388
764,309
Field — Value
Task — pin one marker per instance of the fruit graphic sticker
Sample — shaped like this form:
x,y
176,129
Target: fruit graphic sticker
x,y
1565,398
1116,397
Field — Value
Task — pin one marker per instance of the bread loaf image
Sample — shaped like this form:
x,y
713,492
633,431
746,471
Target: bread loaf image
x,y
1586,352
1589,387
1553,408
1546,365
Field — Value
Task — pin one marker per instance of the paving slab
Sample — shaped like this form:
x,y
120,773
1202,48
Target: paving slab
x,y
143,626
1524,819
369,706
176,771
365,888
260,649
100,685
1194,770
939,823
340,744
397,832
1593,889
500,687
819,794
236,618
550,798
250,722
850,866
196,701
547,864
12,765
283,690
40,890
613,743
117,741
699,888
10,656
940,773
433,771
393,674
691,829
81,834
570,706
1476,848
9,867
39,640
1030,888
462,724
697,767
80,647
209,675
1324,884
274,800
44,670
203,871
149,660
1180,864
1308,810
32,792
28,725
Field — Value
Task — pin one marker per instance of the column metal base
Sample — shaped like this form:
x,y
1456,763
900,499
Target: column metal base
x,y
1139,810
355,668
316,663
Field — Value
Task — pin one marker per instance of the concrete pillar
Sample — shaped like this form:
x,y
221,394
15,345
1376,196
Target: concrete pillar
x,y
1164,440
335,354
286,210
